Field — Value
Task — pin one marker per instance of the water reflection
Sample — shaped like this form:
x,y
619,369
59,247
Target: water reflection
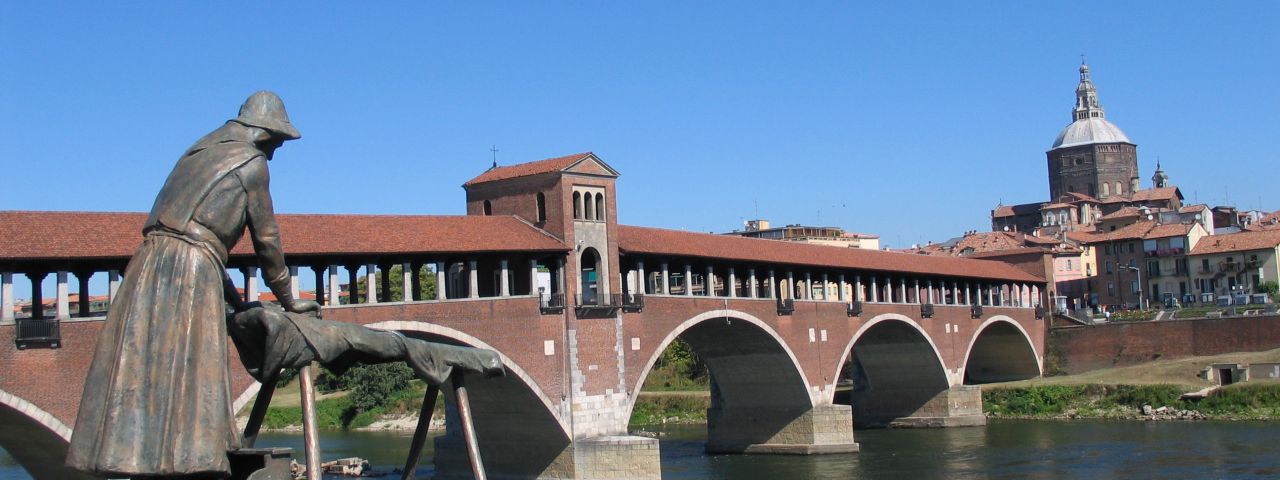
x,y
1032,450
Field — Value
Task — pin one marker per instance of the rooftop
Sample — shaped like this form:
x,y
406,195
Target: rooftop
x,y
529,169
1238,242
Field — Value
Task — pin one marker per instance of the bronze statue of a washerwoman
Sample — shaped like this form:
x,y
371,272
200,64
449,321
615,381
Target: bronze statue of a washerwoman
x,y
157,400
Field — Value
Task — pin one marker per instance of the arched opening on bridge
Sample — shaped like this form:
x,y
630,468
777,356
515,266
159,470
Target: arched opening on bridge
x,y
589,264
519,434
38,449
892,371
1000,352
754,390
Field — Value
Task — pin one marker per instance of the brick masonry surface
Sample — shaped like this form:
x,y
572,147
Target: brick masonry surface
x,y
1081,349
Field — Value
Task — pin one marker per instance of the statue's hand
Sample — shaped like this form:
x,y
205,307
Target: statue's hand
x,y
303,306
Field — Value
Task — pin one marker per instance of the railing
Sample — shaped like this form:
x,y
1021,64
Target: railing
x,y
34,332
926,310
975,311
786,306
597,305
854,309
1227,266
632,302
551,303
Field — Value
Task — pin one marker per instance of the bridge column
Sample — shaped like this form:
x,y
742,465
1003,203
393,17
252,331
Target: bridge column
x,y
840,296
808,286
955,292
37,293
371,282
857,288
295,287
1035,295
63,307
384,284
968,289
872,290
688,280
710,283
473,279
753,291
791,285
6,297
353,287
916,287
1002,297
641,279
441,289
826,287
666,279
902,289
249,275
504,285
773,285
335,290
318,272
409,281
82,277
731,286
113,285
991,296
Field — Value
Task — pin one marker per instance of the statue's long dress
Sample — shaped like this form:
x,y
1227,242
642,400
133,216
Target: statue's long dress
x,y
166,405
157,401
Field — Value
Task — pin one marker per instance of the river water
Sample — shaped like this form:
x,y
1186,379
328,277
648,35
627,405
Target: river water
x,y
1004,449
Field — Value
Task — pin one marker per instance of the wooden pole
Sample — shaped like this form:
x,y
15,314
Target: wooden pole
x,y
468,427
310,432
259,411
420,435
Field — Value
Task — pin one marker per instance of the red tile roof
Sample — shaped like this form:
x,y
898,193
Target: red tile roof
x,y
1143,230
656,241
1166,193
1126,212
527,169
102,235
1237,242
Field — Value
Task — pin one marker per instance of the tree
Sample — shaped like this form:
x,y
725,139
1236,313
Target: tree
x,y
1270,287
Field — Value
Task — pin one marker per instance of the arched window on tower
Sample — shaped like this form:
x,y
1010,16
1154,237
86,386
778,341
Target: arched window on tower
x,y
600,206
1119,188
542,207
590,207
488,208
577,205
1106,189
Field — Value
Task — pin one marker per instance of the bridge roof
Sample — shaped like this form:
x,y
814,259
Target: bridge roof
x,y
657,241
105,235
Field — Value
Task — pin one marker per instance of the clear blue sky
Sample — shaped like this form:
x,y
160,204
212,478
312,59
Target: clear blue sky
x,y
908,120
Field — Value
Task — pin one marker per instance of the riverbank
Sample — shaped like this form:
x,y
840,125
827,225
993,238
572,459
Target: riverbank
x,y
1251,401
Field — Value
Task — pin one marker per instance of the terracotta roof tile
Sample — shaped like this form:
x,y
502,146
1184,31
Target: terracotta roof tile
x,y
527,169
63,235
656,241
1166,193
1168,230
1237,242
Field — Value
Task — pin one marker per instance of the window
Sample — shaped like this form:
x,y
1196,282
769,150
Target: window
x,y
1131,249
1106,189
1149,246
1133,262
1204,265
1068,264
1153,269
599,206
1111,288
542,207
488,208
590,211
1133,287
1109,269
577,205
1106,249
1119,188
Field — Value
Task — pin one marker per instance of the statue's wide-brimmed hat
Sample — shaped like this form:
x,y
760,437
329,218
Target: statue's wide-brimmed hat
x,y
265,110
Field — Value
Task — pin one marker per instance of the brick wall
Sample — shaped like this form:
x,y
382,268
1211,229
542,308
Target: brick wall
x,y
1081,349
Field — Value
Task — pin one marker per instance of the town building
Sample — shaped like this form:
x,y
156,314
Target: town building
x,y
833,236
1236,263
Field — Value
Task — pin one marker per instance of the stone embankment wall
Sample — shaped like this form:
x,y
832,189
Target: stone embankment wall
x,y
1077,349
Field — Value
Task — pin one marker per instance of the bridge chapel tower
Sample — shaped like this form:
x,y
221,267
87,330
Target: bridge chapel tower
x,y
1091,155
574,198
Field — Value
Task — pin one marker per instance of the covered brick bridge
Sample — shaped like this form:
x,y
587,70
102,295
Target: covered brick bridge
x,y
580,309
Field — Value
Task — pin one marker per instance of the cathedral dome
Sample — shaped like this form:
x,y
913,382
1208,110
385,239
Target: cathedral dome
x,y
1090,130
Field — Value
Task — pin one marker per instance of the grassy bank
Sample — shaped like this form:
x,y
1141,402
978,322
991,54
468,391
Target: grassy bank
x,y
654,408
336,411
1251,401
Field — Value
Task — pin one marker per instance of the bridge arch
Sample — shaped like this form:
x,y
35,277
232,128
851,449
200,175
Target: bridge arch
x,y
35,438
758,386
895,369
1001,351
520,430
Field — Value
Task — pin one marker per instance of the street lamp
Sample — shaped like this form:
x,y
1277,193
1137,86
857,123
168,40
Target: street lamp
x,y
1141,299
